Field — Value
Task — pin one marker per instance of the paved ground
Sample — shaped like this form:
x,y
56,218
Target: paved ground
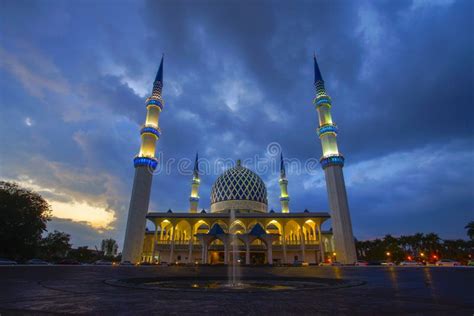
x,y
388,290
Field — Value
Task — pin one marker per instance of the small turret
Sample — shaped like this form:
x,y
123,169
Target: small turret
x,y
284,198
194,198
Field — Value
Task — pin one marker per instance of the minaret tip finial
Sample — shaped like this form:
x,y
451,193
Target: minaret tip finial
x,y
159,74
282,166
196,166
317,72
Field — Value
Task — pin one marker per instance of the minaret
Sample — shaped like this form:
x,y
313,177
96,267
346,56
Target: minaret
x,y
145,163
284,198
332,162
194,198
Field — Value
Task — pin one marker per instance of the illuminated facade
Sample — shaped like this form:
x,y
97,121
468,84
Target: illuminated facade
x,y
332,162
238,225
145,163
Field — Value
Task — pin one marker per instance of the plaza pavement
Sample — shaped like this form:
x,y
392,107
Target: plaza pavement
x,y
38,290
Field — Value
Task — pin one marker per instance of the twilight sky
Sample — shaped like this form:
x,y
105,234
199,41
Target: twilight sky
x,y
238,76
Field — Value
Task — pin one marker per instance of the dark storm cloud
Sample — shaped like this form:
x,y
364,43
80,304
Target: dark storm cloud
x,y
238,76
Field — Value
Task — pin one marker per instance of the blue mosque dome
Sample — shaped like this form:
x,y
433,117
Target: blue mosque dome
x,y
239,188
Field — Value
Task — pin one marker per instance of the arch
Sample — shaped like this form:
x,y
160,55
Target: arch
x,y
309,230
215,241
237,227
253,223
292,232
274,227
201,227
258,242
166,229
183,231
222,224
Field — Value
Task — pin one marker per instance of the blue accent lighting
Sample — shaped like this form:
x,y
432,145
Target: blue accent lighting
x,y
327,129
145,161
323,101
155,102
332,161
152,130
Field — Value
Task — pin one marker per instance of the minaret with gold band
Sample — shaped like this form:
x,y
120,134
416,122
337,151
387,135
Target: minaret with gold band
x,y
145,163
332,162
194,198
284,198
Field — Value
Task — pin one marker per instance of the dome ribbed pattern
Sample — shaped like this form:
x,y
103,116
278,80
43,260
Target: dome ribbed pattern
x,y
239,183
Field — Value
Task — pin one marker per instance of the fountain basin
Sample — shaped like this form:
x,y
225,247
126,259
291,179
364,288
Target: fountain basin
x,y
244,285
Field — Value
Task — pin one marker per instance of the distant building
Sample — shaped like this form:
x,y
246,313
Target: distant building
x,y
239,226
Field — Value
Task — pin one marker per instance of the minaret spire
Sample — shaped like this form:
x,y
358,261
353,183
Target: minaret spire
x,y
194,198
332,162
284,198
158,83
317,72
145,163
159,74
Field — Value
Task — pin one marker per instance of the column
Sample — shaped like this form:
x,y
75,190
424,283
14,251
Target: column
x,y
285,259
302,244
247,252
172,245
155,235
226,253
190,255
321,244
269,251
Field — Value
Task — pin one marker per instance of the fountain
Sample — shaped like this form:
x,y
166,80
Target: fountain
x,y
234,264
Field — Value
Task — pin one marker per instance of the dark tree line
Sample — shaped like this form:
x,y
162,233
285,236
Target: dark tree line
x,y
421,247
24,215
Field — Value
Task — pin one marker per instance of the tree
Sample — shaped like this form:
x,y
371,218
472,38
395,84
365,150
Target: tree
x,y
470,230
55,245
23,218
109,247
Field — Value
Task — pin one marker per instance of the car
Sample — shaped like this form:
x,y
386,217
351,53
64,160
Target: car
x,y
103,263
361,263
374,263
299,263
410,263
4,261
127,263
37,262
447,263
69,262
387,263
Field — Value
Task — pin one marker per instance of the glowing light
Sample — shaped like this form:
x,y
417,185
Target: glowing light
x,y
327,129
422,254
388,253
150,130
332,161
145,161
158,103
334,254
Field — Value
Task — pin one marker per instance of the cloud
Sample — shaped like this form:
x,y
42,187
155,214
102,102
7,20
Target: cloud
x,y
237,78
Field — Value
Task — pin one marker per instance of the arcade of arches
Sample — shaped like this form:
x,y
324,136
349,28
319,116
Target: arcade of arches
x,y
266,238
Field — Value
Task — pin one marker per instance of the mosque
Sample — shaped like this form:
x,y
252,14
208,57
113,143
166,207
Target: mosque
x,y
238,227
